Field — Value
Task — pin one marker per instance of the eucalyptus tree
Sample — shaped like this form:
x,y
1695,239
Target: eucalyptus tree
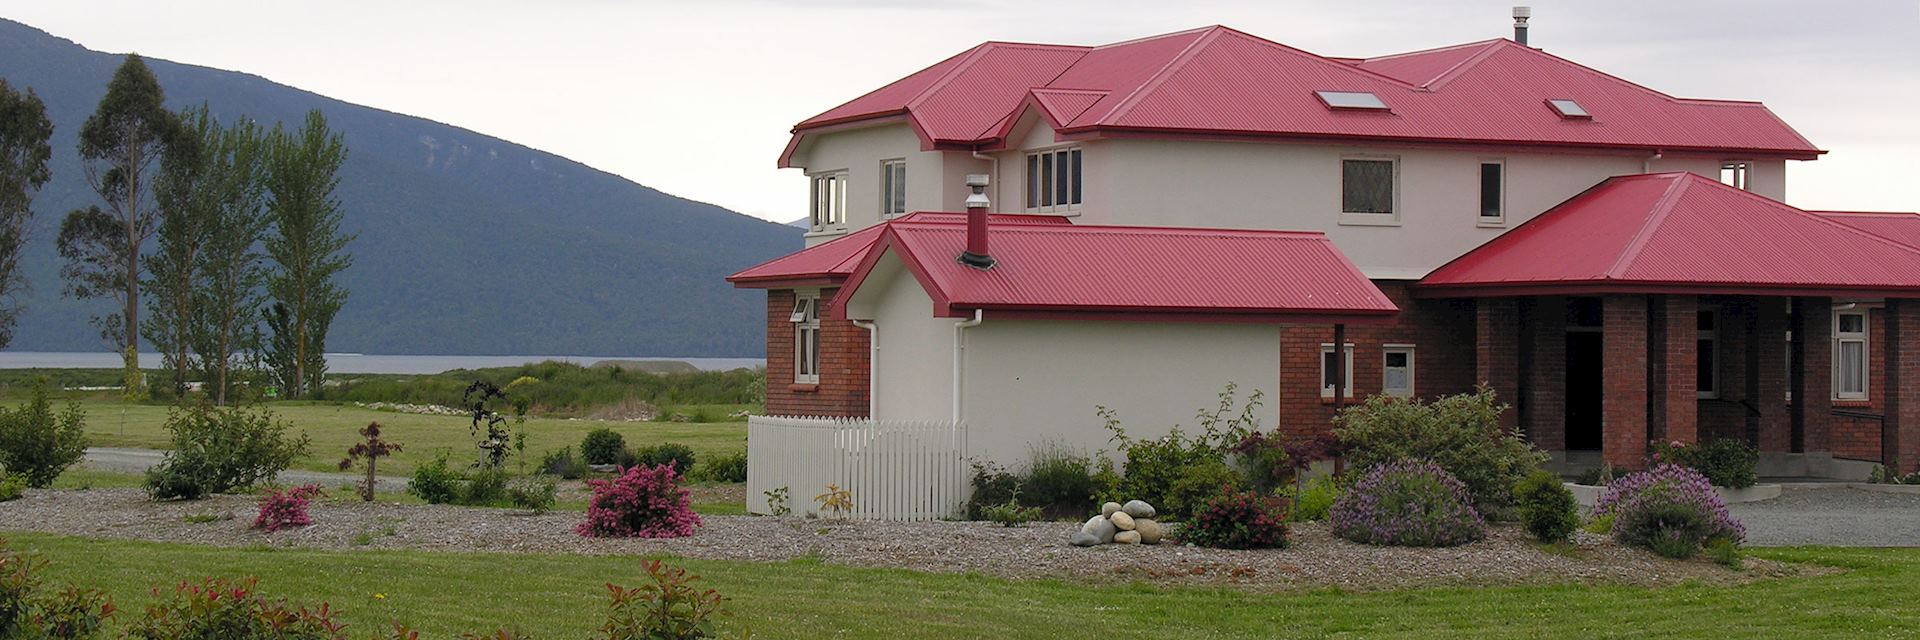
x,y
24,131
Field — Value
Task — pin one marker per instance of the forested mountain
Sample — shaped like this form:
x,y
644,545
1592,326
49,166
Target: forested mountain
x,y
468,244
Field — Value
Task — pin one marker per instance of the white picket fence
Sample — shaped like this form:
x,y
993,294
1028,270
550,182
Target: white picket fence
x,y
892,470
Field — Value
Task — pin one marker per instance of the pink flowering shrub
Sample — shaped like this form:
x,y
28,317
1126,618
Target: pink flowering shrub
x,y
1239,520
1669,509
284,509
1409,503
642,502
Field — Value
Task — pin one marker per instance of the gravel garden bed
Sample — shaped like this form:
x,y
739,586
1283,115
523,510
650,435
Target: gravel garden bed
x,y
1039,550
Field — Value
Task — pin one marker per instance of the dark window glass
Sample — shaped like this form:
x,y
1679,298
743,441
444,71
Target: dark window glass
x,y
1705,321
1033,186
1076,177
1366,186
1060,174
1490,178
1703,375
1327,368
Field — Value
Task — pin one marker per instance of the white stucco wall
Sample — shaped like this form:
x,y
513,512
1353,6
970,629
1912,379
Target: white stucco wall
x,y
914,363
859,152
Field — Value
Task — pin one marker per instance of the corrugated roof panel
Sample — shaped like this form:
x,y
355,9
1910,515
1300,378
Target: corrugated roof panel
x,y
836,258
1902,226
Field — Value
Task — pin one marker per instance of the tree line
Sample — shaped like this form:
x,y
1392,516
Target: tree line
x,y
227,235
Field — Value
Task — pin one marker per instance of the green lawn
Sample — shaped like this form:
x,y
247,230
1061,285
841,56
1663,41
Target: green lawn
x,y
334,427
561,596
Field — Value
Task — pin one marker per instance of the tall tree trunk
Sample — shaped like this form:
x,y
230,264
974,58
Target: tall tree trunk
x,y
132,319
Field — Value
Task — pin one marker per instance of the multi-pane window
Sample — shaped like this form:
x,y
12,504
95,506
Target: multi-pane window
x,y
1328,367
1707,353
1396,371
1053,180
1850,355
1367,185
1736,173
829,201
806,337
893,187
1493,177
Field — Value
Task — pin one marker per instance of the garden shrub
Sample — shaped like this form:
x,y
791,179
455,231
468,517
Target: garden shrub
x,y
1264,461
1547,507
602,446
36,443
992,486
678,455
730,467
1669,509
1408,503
219,609
642,502
670,608
1725,553
532,494
562,462
12,486
285,509
1725,462
1238,520
1178,473
484,486
222,449
371,449
1010,513
27,612
435,483
1311,502
1460,433
1060,482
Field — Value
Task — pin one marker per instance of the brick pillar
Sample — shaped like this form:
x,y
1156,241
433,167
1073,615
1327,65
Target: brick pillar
x,y
1496,361
1900,369
1768,346
1546,401
1625,373
1812,381
1673,336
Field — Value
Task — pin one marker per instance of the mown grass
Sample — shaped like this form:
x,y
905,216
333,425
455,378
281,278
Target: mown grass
x,y
561,597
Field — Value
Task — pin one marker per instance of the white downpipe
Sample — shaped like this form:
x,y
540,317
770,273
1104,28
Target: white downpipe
x,y
873,367
959,357
1646,166
995,172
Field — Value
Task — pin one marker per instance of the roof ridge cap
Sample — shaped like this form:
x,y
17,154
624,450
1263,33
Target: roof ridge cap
x,y
1186,53
1462,67
1324,60
1668,200
1820,219
1169,34
1438,49
971,56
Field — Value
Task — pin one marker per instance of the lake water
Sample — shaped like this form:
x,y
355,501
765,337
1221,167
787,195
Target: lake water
x,y
355,362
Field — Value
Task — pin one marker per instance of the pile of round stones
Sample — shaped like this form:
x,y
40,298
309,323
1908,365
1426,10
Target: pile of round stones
x,y
1131,523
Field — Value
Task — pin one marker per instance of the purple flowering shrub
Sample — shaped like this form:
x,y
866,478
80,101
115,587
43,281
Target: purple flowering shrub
x,y
642,502
285,509
1669,509
1239,520
1409,503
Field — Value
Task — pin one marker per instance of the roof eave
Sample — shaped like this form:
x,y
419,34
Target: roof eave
x,y
1626,287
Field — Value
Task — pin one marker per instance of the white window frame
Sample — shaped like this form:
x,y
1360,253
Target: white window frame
x,y
1737,173
806,333
1712,336
1040,165
1326,390
1866,354
827,210
1479,215
892,185
1391,219
1387,351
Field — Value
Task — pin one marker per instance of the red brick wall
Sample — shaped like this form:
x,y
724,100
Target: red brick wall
x,y
844,363
1900,438
1812,409
1442,332
1544,363
1855,438
1496,353
1624,439
1675,363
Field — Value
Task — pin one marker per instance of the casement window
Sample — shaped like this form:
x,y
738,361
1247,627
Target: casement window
x,y
1493,192
1327,368
1369,189
1053,180
1396,371
1707,355
1736,173
1850,355
829,201
893,187
806,337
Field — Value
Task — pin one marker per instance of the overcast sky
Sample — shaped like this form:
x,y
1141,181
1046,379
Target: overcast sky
x,y
696,97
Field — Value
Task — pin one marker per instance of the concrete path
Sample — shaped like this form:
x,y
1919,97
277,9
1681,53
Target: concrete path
x,y
122,460
1832,516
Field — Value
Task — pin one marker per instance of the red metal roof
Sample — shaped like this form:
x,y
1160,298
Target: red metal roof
x,y
1219,81
1679,232
832,261
1901,226
1110,272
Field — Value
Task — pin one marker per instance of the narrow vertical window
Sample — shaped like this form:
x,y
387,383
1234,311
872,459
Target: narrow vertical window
x,y
1367,186
1736,173
1492,191
1850,355
1396,371
1075,199
893,187
1707,355
806,337
1053,180
1033,186
829,204
1328,367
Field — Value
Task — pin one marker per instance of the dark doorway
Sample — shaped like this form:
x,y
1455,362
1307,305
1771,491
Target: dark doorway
x,y
1585,360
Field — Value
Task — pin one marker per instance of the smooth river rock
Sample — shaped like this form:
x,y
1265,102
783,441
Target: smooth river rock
x,y
1138,509
1122,520
1150,532
1107,510
1083,539
1127,537
1103,529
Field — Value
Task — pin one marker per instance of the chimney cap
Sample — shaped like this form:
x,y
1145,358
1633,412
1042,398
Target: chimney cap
x,y
1522,12
977,179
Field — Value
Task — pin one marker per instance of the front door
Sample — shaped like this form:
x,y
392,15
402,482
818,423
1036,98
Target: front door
x,y
1585,359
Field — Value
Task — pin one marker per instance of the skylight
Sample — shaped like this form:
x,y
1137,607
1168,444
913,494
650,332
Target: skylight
x,y
1351,100
1569,109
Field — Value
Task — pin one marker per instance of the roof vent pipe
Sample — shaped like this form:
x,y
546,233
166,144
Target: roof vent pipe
x,y
1520,16
976,255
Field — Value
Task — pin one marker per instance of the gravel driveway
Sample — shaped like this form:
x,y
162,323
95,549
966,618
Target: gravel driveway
x,y
1833,516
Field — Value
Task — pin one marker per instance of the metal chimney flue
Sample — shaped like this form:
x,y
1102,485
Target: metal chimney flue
x,y
1520,16
976,255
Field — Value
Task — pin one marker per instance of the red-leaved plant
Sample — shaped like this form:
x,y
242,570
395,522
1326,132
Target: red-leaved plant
x,y
230,610
1239,520
642,502
371,450
670,608
285,509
